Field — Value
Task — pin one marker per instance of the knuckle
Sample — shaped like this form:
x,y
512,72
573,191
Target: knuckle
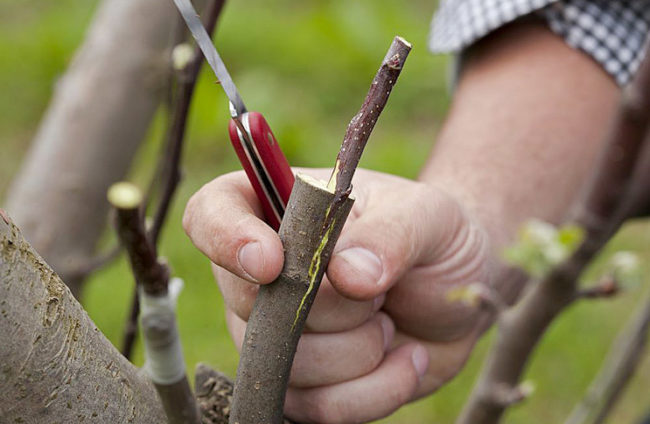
x,y
375,345
188,214
323,410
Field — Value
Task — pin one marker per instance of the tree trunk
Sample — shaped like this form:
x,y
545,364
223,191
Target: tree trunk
x,y
57,367
96,120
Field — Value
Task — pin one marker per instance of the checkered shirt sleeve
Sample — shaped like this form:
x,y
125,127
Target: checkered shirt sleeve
x,y
613,32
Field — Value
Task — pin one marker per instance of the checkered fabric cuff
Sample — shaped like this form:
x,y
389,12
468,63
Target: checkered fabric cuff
x,y
613,32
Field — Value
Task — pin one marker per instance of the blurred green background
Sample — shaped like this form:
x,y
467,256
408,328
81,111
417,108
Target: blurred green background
x,y
307,66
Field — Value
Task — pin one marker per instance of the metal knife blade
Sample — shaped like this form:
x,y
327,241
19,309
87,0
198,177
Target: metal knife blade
x,y
214,60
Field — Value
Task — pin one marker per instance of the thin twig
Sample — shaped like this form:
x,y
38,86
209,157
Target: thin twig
x,y
99,261
622,360
187,78
600,215
168,170
362,124
605,288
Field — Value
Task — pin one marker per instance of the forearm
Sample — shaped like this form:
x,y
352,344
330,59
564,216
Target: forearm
x,y
524,129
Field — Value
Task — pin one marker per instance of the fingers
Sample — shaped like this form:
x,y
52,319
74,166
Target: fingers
x,y
330,313
370,397
222,220
401,224
447,359
329,358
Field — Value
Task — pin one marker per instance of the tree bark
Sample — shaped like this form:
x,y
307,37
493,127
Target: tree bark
x,y
96,120
281,308
621,363
57,367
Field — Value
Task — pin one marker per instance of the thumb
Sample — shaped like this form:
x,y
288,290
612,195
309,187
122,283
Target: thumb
x,y
400,226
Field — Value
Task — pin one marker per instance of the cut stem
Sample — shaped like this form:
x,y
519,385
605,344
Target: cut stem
x,y
163,353
362,124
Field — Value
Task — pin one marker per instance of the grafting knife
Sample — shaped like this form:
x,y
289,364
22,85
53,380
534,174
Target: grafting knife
x,y
256,146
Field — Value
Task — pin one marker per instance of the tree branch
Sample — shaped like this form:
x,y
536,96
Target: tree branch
x,y
79,151
55,362
605,288
362,124
164,361
622,360
186,79
314,219
168,172
601,213
281,308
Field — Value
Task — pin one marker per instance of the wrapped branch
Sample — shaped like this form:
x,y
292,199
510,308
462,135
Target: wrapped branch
x,y
313,221
602,212
164,361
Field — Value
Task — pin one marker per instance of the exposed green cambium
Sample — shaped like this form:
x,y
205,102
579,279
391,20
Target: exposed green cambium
x,y
314,267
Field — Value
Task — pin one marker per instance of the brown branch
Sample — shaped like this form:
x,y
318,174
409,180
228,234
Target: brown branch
x,y
186,79
81,271
362,124
507,396
281,308
168,169
314,219
600,215
151,275
164,360
622,360
131,327
605,288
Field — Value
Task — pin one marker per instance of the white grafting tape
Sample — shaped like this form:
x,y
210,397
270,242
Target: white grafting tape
x,y
164,362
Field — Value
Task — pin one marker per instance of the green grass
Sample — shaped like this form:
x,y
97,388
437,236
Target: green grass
x,y
307,66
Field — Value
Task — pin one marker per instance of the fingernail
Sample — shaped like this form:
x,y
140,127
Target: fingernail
x,y
251,260
388,330
420,359
365,265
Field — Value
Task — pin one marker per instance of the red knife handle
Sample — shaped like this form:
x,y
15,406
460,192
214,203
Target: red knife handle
x,y
268,163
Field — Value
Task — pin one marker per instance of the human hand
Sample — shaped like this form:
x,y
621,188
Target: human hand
x,y
381,331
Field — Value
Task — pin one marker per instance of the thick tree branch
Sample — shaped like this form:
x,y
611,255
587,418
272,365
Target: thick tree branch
x,y
98,117
622,360
314,219
600,214
56,365
281,308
